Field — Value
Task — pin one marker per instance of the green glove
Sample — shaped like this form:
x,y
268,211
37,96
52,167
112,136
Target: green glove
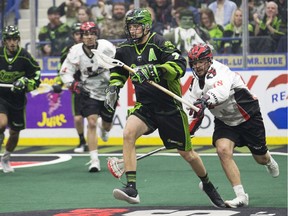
x,y
146,72
20,85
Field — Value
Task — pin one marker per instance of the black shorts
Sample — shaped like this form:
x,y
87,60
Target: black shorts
x,y
89,106
250,133
172,127
76,104
16,116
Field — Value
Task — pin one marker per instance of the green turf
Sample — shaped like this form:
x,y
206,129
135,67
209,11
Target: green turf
x,y
161,181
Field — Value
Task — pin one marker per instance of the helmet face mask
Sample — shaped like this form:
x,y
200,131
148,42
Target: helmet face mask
x,y
136,17
89,34
200,54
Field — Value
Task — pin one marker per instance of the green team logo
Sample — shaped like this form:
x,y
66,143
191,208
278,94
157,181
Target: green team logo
x,y
169,45
7,77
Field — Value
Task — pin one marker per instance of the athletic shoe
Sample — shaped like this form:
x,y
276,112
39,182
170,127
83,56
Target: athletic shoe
x,y
94,165
2,136
272,168
102,133
127,194
240,201
82,147
213,195
5,163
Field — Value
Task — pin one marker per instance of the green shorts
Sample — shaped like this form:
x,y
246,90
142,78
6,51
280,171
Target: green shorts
x,y
16,116
172,126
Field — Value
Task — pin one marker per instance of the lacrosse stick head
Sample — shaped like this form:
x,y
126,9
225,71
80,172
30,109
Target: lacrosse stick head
x,y
115,166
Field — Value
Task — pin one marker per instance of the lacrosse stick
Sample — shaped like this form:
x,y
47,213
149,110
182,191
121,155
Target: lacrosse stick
x,y
42,89
116,165
108,62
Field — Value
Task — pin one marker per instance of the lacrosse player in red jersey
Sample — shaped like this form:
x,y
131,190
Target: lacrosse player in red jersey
x,y
17,66
156,59
94,79
238,120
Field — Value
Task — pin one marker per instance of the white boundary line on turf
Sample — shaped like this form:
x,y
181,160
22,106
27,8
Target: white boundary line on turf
x,y
61,158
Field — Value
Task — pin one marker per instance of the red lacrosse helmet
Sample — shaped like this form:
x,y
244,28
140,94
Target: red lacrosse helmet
x,y
199,52
89,27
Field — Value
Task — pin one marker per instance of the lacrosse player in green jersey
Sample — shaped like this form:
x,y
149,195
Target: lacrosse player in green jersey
x,y
19,68
154,59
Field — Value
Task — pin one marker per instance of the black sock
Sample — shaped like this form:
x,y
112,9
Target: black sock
x,y
82,138
131,179
205,179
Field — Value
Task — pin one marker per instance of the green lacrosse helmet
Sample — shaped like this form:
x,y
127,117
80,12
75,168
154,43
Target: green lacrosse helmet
x,y
10,31
138,16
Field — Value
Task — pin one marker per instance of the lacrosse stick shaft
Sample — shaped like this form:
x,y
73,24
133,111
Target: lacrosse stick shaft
x,y
108,62
166,91
6,85
150,153
11,85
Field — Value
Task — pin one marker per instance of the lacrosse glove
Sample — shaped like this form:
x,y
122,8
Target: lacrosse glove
x,y
111,97
146,72
78,88
202,104
20,85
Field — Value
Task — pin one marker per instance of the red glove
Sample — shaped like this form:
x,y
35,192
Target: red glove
x,y
78,88
202,104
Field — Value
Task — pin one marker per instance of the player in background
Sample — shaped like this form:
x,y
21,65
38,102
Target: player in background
x,y
158,60
238,120
91,86
19,68
75,98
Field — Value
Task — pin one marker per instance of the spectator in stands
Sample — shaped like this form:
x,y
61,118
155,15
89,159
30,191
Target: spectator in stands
x,y
163,12
282,8
69,10
267,30
223,10
84,14
234,31
142,4
188,33
201,3
237,2
157,27
215,30
187,4
113,28
55,34
255,6
101,11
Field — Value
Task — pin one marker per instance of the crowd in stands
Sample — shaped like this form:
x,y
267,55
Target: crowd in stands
x,y
186,22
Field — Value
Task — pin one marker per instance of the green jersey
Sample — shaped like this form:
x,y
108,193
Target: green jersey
x,y
165,57
14,67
